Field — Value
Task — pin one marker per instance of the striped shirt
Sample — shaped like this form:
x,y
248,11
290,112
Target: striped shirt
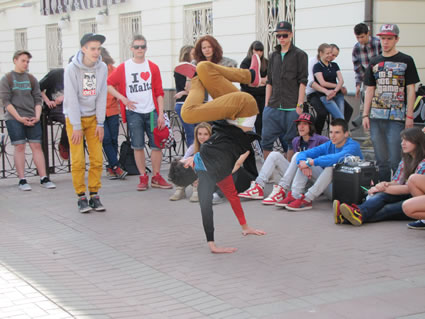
x,y
362,54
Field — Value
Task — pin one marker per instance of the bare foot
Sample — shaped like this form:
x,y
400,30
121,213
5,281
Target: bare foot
x,y
220,250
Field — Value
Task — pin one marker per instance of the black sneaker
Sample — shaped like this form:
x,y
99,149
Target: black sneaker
x,y
83,205
95,203
47,183
419,224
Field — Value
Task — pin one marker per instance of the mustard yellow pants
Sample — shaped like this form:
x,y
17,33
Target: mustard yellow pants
x,y
228,102
78,158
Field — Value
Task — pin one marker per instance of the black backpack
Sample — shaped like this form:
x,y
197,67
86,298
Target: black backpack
x,y
127,161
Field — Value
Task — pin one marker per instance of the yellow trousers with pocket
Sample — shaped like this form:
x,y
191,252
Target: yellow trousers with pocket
x,y
78,158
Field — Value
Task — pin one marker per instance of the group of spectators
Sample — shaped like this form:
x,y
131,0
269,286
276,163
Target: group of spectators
x,y
88,95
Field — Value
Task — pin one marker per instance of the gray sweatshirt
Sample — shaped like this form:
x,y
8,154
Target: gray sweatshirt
x,y
85,91
20,95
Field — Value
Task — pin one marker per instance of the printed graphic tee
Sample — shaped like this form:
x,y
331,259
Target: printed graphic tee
x,y
138,79
89,83
390,76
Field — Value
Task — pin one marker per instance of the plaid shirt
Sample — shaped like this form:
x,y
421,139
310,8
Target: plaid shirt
x,y
362,54
398,176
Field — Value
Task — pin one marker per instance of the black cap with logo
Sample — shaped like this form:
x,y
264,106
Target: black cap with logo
x,y
92,37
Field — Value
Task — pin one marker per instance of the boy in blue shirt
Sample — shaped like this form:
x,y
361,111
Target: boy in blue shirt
x,y
317,164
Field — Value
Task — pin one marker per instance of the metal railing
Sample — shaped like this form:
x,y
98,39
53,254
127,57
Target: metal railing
x,y
51,136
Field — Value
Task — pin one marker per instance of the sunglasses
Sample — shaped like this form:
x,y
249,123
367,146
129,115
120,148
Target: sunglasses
x,y
283,36
139,46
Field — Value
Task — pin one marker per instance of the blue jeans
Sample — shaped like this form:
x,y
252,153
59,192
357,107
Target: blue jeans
x,y
110,139
20,134
383,206
139,124
188,128
334,106
278,124
385,136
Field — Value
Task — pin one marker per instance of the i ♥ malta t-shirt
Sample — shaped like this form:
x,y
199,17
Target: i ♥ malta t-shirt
x,y
138,82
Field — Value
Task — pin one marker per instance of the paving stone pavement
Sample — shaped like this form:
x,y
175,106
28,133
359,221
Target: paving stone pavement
x,y
146,257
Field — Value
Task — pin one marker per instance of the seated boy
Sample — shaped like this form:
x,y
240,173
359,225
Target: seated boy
x,y
307,139
317,164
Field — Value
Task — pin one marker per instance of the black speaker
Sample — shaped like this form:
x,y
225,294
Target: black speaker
x,y
348,180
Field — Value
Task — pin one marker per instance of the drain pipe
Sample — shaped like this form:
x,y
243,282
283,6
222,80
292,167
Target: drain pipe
x,y
368,15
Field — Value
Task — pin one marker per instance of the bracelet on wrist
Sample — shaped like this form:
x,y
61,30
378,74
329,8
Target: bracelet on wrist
x,y
365,115
409,117
308,162
300,105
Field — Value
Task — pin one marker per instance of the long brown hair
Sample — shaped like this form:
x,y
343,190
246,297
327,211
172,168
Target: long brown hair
x,y
185,53
411,161
204,125
217,49
258,46
106,57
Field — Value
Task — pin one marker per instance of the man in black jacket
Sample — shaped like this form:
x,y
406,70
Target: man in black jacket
x,y
285,90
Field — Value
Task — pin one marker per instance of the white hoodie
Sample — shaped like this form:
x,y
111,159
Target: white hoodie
x,y
85,91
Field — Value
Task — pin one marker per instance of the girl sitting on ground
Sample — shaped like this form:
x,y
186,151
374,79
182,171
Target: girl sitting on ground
x,y
386,198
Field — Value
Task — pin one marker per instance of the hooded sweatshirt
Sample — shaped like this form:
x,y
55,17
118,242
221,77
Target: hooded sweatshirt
x,y
85,91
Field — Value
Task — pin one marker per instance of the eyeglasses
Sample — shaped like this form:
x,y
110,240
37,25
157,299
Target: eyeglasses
x,y
136,47
283,36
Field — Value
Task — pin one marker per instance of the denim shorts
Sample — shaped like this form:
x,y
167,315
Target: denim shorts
x,y
138,125
20,134
278,123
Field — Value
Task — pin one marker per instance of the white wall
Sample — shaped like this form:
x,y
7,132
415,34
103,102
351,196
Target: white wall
x,y
330,21
409,16
162,24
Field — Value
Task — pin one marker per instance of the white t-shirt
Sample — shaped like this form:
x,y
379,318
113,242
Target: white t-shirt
x,y
311,63
138,85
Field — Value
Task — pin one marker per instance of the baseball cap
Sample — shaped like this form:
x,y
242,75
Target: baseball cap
x,y
305,117
92,37
389,29
161,136
283,26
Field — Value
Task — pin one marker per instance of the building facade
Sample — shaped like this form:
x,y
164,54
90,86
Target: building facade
x,y
51,29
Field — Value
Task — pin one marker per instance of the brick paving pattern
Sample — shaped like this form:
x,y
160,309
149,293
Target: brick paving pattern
x,y
146,257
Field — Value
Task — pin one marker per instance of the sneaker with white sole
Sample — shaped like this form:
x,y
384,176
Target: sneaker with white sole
x,y
95,203
419,224
275,196
24,186
217,199
300,204
255,191
286,201
46,183
83,205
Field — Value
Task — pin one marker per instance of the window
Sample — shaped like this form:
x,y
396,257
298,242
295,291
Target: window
x,y
87,26
54,46
198,22
21,42
269,13
130,24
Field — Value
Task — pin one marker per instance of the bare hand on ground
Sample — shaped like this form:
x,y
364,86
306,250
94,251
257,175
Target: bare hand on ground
x,y
251,231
